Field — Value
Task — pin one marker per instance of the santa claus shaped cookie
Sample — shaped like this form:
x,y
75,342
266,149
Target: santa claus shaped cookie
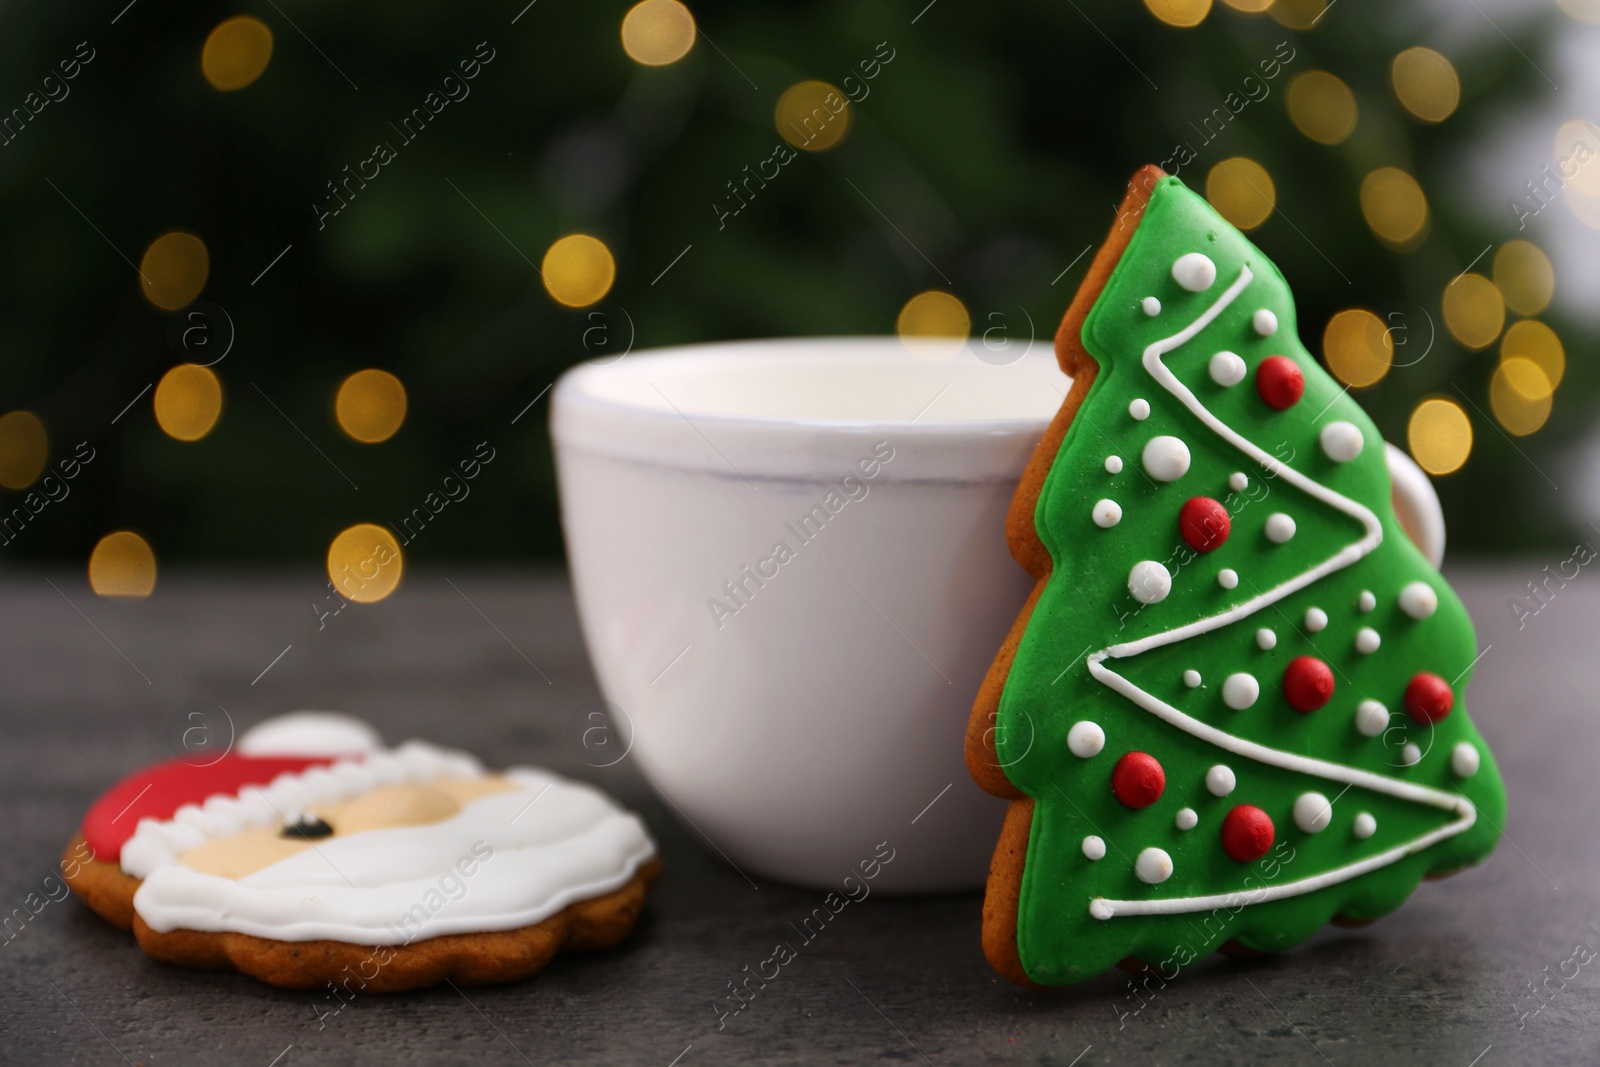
x,y
1232,709
311,854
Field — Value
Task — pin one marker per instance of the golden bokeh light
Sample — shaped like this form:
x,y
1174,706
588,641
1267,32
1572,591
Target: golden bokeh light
x,y
1582,10
122,565
1440,436
1242,192
236,53
1357,347
370,405
1577,157
1249,7
1520,396
1321,106
1525,378
1182,13
1426,84
364,563
188,402
933,323
1393,204
1298,14
1534,341
1524,276
24,447
657,32
1586,209
812,115
578,270
1474,310
174,270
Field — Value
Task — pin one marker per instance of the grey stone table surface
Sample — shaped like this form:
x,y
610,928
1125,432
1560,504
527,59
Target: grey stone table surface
x,y
1483,969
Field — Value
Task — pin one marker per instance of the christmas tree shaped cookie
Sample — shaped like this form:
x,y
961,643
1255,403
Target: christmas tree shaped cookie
x,y
1231,711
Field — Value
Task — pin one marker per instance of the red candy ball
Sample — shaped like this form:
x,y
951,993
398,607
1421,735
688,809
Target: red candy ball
x,y
1137,780
1428,698
1308,683
1247,833
1280,382
1204,524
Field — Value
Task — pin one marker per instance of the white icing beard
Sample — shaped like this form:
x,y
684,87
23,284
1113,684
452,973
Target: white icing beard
x,y
506,860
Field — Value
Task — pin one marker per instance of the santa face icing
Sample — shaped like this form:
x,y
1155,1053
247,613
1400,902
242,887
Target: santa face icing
x,y
371,846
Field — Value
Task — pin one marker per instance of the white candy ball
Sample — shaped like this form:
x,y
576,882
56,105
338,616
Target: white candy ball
x,y
1107,513
1166,459
1227,368
1240,690
1149,582
1280,527
1312,812
1153,866
1372,718
1085,739
1220,780
1194,272
1342,441
1418,600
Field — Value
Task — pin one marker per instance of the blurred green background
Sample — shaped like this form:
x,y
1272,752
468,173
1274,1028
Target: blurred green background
x,y
995,142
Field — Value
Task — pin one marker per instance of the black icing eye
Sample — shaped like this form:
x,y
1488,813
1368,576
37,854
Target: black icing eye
x,y
308,827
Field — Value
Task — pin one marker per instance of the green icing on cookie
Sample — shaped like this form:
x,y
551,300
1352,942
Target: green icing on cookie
x,y
1269,821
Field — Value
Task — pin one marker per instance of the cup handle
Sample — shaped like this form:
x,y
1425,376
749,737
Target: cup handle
x,y
1416,504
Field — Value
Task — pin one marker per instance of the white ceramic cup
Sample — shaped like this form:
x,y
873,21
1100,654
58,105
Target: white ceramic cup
x,y
798,706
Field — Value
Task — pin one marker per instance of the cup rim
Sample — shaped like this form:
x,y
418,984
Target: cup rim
x,y
574,387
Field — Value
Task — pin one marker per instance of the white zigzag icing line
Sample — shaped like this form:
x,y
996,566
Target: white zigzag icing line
x,y
1105,908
